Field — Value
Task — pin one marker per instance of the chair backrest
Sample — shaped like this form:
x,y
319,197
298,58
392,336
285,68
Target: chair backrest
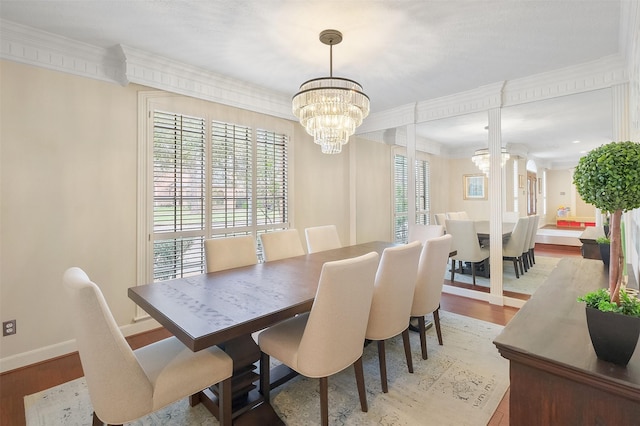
x,y
465,240
440,218
281,244
534,230
116,381
519,237
321,238
510,217
457,215
333,337
230,252
430,277
423,233
393,291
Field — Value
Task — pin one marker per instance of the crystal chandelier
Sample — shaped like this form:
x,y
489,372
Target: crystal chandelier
x,y
329,108
481,159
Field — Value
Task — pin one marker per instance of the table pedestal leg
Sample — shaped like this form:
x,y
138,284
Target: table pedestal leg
x,y
248,404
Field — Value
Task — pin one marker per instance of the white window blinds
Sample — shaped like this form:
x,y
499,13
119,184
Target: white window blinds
x,y
212,179
178,195
401,204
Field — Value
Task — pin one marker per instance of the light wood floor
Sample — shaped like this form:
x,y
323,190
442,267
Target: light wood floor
x,y
15,384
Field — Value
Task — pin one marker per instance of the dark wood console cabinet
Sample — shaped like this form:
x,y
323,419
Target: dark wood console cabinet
x,y
590,248
555,376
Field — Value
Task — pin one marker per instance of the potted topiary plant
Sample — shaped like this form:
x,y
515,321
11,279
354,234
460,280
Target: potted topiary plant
x,y
604,245
608,177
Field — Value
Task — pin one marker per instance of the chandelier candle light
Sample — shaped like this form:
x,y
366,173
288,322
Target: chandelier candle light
x,y
481,159
330,108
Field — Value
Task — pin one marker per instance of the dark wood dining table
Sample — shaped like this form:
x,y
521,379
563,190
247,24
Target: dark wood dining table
x,y
224,308
482,229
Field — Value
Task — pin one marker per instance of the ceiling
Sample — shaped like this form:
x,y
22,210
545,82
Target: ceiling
x,y
401,52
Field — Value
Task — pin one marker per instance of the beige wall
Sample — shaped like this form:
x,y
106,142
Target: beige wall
x,y
68,191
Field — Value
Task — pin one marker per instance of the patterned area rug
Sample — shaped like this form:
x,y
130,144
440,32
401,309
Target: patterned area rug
x,y
461,383
526,284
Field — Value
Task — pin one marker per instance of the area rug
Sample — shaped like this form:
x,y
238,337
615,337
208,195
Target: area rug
x,y
526,284
461,383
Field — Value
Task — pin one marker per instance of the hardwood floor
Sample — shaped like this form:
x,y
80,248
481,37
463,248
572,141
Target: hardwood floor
x,y
15,384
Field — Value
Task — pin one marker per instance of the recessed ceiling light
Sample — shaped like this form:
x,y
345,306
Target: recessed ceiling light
x,y
576,141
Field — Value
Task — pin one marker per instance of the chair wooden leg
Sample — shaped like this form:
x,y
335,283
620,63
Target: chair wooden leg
x,y
224,402
265,376
532,253
516,267
359,370
324,401
97,422
422,329
453,269
407,349
382,360
436,321
473,272
194,399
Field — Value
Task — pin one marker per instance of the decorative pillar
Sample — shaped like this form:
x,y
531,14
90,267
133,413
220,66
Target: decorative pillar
x,y
620,110
495,205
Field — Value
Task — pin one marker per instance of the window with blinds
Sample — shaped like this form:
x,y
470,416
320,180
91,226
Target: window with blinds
x,y
179,145
401,196
423,208
212,179
401,204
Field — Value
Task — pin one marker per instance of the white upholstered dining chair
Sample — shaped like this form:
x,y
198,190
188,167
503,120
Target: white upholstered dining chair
x,y
278,245
392,298
321,238
124,384
230,252
330,337
514,247
465,243
462,215
440,218
428,289
423,233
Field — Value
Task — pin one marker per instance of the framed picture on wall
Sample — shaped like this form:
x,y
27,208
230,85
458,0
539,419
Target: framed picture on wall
x,y
475,187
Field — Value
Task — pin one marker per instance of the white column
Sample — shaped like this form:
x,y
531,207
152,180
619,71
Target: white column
x,y
620,110
495,206
622,132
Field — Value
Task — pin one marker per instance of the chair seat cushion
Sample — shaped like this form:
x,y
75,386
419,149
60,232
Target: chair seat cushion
x,y
484,254
175,371
282,340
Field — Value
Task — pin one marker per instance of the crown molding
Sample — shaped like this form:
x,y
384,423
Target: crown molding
x,y
481,99
123,65
29,46
594,75
161,73
599,74
389,119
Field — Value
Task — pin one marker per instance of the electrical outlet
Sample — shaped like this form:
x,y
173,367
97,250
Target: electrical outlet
x,y
9,328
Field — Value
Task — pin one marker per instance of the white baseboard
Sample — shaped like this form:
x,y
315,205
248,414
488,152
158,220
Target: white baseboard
x,y
471,294
63,348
